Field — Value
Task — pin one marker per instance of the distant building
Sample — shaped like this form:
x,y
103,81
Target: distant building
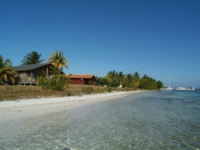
x,y
87,79
27,74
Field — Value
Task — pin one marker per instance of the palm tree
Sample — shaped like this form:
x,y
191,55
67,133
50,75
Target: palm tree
x,y
6,70
144,77
136,79
58,60
128,80
32,58
136,75
112,77
121,78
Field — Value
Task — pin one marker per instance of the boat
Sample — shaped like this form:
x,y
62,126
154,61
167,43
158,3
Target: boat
x,y
180,88
191,89
169,88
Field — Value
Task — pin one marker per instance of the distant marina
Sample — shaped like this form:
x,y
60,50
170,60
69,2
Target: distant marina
x,y
178,88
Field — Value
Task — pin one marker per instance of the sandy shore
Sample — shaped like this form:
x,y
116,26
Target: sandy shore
x,y
22,109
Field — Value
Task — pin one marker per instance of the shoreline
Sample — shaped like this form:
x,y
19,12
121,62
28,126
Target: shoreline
x,y
24,109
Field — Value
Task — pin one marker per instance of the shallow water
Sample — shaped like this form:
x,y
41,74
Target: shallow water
x,y
150,120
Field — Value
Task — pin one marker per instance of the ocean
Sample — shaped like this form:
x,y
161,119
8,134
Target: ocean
x,y
149,120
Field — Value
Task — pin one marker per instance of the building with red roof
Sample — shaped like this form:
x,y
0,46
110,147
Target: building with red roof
x,y
82,78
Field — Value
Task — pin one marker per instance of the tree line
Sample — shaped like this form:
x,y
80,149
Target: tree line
x,y
57,59
119,79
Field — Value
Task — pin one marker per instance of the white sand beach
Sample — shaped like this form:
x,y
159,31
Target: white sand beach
x,y
22,109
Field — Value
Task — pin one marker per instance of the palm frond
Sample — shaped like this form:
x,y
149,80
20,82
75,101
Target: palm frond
x,y
32,58
58,60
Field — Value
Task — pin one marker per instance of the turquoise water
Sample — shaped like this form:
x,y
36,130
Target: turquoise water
x,y
150,120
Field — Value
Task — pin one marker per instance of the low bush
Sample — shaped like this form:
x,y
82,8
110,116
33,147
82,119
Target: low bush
x,y
56,83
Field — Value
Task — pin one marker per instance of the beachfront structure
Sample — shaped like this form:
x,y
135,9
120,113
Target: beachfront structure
x,y
27,74
87,79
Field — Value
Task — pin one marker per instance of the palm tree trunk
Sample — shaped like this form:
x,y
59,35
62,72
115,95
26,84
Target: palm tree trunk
x,y
47,72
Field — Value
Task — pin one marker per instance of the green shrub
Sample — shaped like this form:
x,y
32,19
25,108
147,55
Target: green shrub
x,y
56,83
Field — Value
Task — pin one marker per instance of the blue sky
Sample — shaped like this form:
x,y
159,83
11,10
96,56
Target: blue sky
x,y
152,37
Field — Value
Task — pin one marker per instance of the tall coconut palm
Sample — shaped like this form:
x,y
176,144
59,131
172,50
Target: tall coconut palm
x,y
128,80
144,77
32,58
121,78
129,77
112,75
58,59
136,79
136,75
6,70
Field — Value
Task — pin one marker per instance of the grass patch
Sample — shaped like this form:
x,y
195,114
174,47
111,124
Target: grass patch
x,y
15,92
88,90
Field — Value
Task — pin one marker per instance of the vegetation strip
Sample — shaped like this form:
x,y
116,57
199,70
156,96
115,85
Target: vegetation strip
x,y
58,84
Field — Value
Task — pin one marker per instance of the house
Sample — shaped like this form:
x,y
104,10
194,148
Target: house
x,y
27,74
81,78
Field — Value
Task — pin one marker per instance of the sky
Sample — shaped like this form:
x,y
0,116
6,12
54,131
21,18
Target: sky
x,y
159,38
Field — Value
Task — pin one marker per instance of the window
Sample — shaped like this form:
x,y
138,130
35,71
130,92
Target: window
x,y
31,77
20,75
31,74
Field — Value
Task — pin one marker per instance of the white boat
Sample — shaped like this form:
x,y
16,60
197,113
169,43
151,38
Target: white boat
x,y
191,89
169,88
180,88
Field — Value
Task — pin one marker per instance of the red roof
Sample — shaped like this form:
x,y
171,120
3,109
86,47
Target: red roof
x,y
81,76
